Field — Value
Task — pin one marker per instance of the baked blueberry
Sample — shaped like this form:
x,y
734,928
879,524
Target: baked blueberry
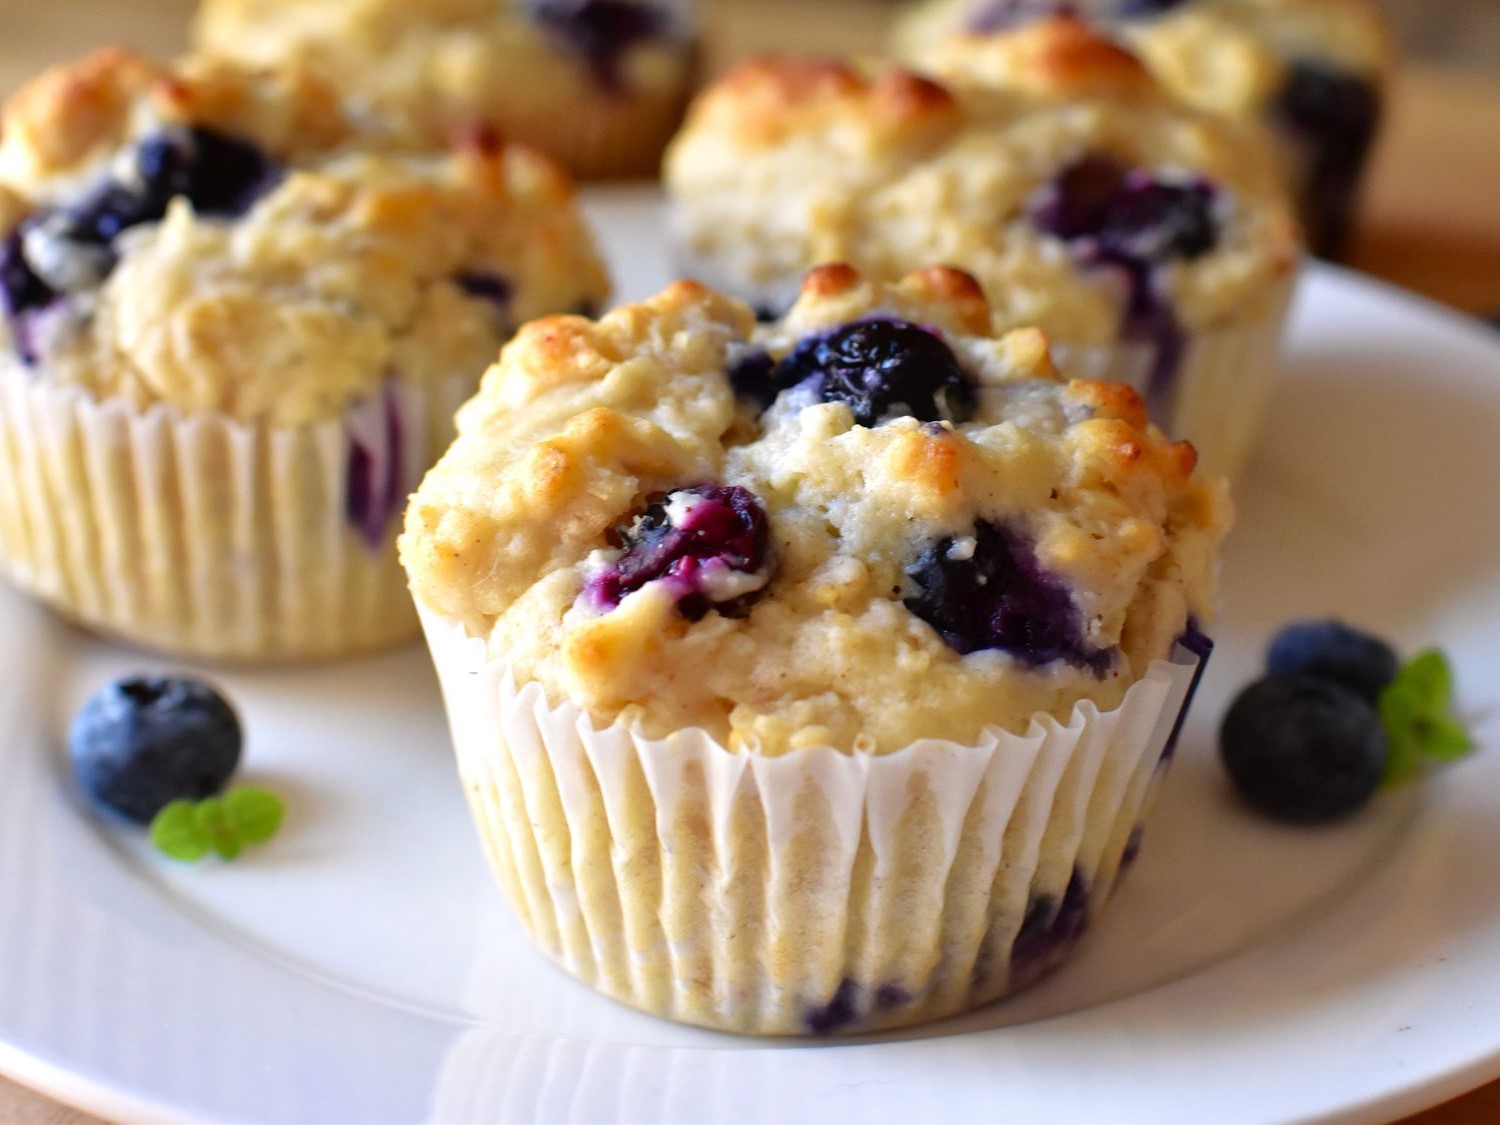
x,y
710,544
1128,214
72,248
489,286
881,368
22,295
1332,116
142,742
601,31
1331,650
1303,749
1130,222
752,374
21,289
218,174
1144,9
988,591
998,15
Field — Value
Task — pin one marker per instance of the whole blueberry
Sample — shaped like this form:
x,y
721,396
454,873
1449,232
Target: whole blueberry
x,y
1303,749
882,368
142,742
1331,650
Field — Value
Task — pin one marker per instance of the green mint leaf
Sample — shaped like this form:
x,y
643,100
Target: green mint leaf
x,y
214,824
175,833
1428,679
1416,710
254,814
1445,738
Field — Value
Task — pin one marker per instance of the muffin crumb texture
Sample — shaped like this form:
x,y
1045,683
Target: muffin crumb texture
x,y
225,242
680,519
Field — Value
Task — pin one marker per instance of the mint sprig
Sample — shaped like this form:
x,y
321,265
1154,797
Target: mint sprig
x,y
1417,711
188,830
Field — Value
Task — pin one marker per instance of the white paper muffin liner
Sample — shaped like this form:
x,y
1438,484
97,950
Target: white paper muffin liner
x,y
208,537
1217,397
815,892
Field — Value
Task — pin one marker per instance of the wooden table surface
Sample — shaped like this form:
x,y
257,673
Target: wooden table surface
x,y
1431,222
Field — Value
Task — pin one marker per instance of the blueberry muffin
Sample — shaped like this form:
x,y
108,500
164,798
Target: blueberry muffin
x,y
231,340
1151,242
598,84
809,677
1315,71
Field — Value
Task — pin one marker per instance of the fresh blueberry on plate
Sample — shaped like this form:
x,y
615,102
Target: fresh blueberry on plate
x,y
1304,749
140,743
1331,650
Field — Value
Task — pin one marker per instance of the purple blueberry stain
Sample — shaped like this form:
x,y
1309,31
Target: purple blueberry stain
x,y
852,1004
881,368
1198,643
1049,931
1131,222
1132,848
838,1013
601,32
709,544
989,591
889,997
376,484
1331,116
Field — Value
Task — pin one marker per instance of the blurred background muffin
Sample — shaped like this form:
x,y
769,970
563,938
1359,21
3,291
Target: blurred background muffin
x,y
1316,72
597,84
231,339
1151,241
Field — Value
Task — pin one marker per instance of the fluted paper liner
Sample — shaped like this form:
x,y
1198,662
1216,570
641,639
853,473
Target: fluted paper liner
x,y
1217,396
204,536
817,891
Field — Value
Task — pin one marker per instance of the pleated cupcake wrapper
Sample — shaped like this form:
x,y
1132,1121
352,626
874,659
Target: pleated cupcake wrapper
x,y
1218,396
204,536
812,892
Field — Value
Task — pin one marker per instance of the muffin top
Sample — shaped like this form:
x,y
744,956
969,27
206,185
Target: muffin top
x,y
678,518
220,241
1068,182
1229,56
431,63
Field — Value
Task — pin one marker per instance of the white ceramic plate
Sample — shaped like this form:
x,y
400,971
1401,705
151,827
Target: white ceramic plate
x,y
361,967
